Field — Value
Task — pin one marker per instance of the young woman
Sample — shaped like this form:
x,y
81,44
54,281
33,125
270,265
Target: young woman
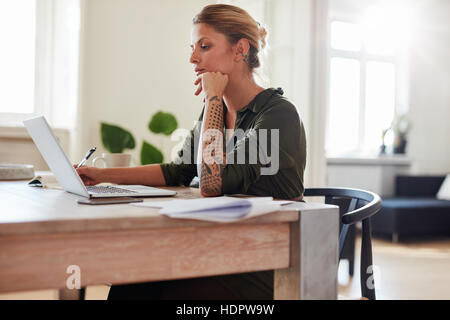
x,y
225,44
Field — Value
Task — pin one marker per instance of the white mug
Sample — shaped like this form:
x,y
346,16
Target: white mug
x,y
111,160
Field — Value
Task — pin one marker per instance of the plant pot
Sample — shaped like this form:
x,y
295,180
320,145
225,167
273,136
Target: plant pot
x,y
400,145
383,149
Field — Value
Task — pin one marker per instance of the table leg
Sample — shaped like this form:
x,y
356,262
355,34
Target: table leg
x,y
71,294
314,257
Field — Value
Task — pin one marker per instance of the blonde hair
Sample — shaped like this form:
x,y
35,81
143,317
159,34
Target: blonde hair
x,y
235,23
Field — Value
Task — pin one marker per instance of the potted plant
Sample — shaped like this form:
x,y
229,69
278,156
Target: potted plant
x,y
383,142
116,139
401,127
161,123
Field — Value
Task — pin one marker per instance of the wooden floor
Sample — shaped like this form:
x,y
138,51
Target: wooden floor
x,y
416,269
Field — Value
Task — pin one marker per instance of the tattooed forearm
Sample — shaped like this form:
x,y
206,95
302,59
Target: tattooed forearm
x,y
214,98
213,155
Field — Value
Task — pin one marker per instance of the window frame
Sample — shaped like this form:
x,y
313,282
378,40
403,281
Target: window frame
x,y
45,70
399,61
15,118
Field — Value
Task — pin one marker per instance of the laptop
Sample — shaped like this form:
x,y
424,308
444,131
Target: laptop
x,y
66,174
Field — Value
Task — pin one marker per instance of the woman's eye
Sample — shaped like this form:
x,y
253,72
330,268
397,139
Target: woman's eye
x,y
204,47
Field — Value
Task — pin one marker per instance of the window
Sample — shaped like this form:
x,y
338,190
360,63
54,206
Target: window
x,y
39,60
17,56
366,63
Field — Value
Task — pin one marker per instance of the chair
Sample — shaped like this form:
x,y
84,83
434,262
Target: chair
x,y
354,206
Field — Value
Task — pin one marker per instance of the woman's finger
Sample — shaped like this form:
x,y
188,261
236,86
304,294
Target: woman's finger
x,y
81,171
199,89
87,180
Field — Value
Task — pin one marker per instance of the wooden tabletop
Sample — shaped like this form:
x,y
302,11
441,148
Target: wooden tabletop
x,y
45,231
29,210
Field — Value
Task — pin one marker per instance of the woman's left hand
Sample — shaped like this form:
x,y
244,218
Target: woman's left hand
x,y
212,83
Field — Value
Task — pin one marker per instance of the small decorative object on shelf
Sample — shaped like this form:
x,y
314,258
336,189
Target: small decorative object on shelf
x,y
383,143
394,138
401,127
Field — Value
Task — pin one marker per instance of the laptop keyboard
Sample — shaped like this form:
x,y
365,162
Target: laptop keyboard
x,y
107,189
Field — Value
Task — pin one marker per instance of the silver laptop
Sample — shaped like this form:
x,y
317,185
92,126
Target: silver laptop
x,y
67,176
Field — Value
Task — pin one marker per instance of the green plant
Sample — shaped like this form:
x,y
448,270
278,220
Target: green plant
x,y
401,126
163,122
160,123
383,135
116,139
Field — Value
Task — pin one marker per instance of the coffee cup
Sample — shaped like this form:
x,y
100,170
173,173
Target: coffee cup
x,y
113,160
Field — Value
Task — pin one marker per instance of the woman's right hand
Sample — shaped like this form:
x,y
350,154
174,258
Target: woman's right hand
x,y
90,175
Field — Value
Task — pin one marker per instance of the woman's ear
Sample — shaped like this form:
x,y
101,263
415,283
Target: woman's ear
x,y
242,48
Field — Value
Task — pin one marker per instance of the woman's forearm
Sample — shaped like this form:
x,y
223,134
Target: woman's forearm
x,y
213,157
150,175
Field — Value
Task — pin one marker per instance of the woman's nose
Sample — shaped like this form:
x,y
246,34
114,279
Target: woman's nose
x,y
194,58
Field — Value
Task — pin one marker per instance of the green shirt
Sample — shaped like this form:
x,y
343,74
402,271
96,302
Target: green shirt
x,y
268,110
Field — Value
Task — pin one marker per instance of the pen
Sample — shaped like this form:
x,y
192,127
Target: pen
x,y
86,157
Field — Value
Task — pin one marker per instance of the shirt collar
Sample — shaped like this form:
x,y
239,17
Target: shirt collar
x,y
260,100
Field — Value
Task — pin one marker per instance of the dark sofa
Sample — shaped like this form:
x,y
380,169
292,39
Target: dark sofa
x,y
414,210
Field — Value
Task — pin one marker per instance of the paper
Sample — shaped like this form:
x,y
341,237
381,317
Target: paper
x,y
219,209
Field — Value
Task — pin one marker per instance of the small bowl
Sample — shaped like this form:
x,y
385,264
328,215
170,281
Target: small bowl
x,y
16,171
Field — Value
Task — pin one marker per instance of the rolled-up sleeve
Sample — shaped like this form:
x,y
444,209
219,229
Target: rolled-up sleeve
x,y
183,169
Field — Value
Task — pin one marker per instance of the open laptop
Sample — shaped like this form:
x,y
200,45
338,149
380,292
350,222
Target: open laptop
x,y
67,176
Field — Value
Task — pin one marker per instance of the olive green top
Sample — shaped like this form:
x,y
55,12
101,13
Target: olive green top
x,y
268,110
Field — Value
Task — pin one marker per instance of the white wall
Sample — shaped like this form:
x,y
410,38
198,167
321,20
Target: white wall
x,y
429,141
135,62
428,94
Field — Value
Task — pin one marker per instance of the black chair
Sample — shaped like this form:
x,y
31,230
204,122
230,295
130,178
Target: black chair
x,y
354,206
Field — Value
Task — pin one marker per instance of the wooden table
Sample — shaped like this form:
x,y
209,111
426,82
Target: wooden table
x,y
44,231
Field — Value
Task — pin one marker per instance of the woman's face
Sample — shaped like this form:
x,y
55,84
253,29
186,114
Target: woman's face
x,y
211,50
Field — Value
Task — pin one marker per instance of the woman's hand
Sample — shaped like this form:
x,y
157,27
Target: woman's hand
x,y
90,175
212,83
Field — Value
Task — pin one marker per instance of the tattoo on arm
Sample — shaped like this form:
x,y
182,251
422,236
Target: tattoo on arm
x,y
214,98
213,154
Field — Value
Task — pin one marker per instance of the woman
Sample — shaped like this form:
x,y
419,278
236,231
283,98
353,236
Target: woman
x,y
226,42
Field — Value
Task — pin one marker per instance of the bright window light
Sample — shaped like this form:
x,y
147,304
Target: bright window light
x,y
344,105
380,101
368,51
345,36
387,29
17,55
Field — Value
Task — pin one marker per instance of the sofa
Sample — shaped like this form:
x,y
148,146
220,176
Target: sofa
x,y
414,211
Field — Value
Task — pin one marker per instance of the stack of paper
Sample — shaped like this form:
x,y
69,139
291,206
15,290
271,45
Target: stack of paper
x,y
221,209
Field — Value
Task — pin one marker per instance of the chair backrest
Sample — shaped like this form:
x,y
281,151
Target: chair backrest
x,y
355,206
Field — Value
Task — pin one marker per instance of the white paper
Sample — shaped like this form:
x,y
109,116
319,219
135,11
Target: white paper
x,y
219,209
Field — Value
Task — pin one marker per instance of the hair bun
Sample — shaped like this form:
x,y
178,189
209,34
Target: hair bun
x,y
235,23
262,36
